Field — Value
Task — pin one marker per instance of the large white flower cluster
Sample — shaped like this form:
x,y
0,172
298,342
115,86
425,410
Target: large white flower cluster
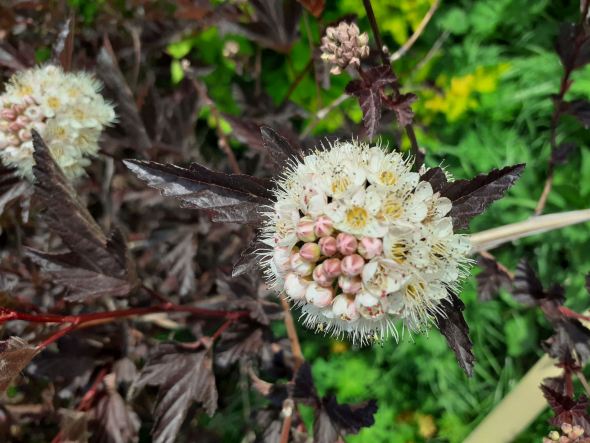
x,y
65,108
359,242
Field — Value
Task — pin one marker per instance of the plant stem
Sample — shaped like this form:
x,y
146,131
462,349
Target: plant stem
x,y
7,314
60,333
580,375
297,80
155,295
407,45
569,385
223,328
569,313
375,29
292,334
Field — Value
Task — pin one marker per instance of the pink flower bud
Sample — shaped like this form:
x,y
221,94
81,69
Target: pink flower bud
x,y
320,277
18,109
282,257
14,127
305,230
328,246
336,70
323,226
7,114
300,266
564,439
13,140
332,267
295,286
547,440
578,430
365,51
25,135
310,252
344,308
28,100
23,120
373,312
364,38
352,265
318,295
350,285
330,32
346,243
370,247
566,428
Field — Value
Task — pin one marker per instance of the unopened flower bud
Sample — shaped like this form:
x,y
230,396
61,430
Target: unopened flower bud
x,y
350,285
578,430
364,39
300,266
332,267
564,439
23,120
310,252
18,109
282,257
554,435
305,230
330,32
13,140
320,277
343,307
365,51
323,226
328,246
318,295
370,247
352,265
336,70
8,114
295,286
28,100
14,127
566,428
25,135
346,243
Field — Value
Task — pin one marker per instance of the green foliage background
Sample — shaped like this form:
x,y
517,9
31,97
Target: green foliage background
x,y
484,103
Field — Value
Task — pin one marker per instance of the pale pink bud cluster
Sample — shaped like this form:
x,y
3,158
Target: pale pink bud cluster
x,y
571,434
343,46
16,122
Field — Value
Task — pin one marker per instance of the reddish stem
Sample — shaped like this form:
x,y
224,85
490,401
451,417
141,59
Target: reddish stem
x,y
54,337
569,384
569,313
155,295
223,328
7,314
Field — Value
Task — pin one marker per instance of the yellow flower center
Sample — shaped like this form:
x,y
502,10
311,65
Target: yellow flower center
x,y
25,90
340,184
387,178
399,252
357,218
78,114
392,209
53,102
415,291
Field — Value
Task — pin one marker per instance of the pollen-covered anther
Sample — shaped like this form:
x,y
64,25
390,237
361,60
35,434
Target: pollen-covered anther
x,y
346,243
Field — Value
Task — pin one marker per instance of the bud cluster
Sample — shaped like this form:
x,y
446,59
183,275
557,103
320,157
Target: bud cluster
x,y
571,434
359,241
344,46
64,108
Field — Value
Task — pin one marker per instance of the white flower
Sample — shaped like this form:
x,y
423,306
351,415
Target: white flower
x,y
65,108
385,250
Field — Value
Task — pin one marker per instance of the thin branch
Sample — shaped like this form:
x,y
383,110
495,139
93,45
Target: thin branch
x,y
311,48
321,114
223,143
418,156
223,328
433,51
297,80
375,29
292,333
407,45
59,334
288,413
580,375
155,295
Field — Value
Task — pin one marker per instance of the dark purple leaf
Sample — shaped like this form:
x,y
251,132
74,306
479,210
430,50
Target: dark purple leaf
x,y
117,89
380,76
470,197
343,419
281,153
567,410
183,375
242,338
561,154
573,47
96,265
303,389
277,393
233,198
570,333
251,257
579,108
315,7
370,104
453,326
13,59
64,45
276,25
403,108
528,288
270,422
490,280
111,421
436,177
15,354
556,384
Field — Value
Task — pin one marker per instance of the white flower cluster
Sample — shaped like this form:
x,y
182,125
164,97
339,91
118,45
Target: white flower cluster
x,y
359,242
66,109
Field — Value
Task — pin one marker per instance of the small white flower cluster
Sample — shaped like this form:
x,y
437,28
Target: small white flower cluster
x,y
66,109
359,242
